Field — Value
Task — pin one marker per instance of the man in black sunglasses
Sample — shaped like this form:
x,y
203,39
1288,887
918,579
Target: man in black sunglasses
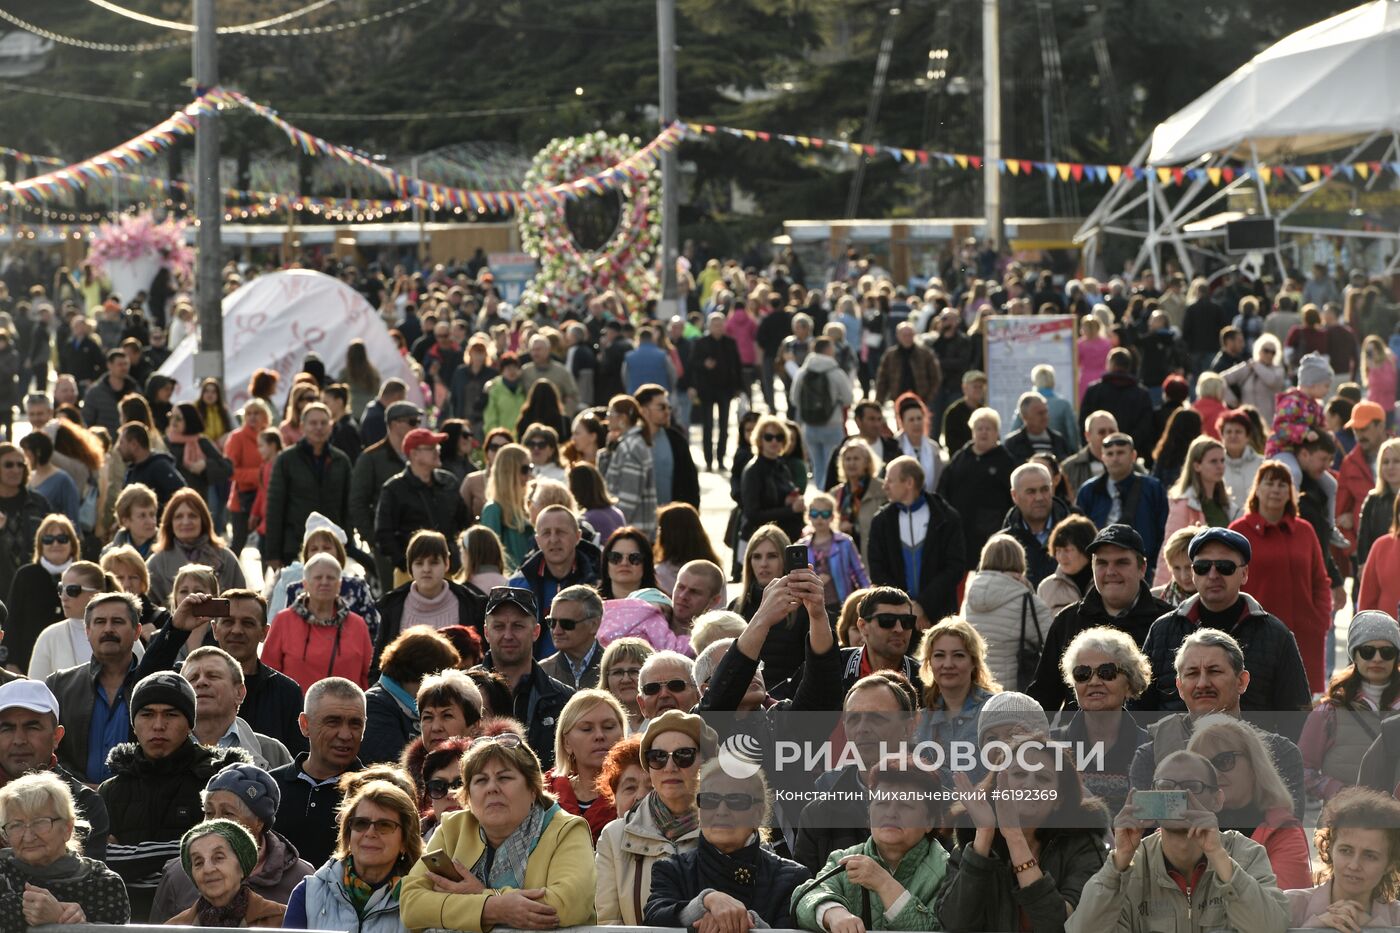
x,y
1220,568
573,622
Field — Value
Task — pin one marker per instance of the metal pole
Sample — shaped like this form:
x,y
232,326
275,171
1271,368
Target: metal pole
x,y
209,361
418,212
670,188
991,119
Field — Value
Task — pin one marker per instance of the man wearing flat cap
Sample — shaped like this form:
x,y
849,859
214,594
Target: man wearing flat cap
x,y
1220,566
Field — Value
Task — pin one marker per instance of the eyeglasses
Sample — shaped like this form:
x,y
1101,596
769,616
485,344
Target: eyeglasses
x,y
492,448
1369,652
438,788
556,622
74,590
625,673
55,539
904,620
772,438
683,757
539,444
1201,568
411,422
1109,445
735,802
505,740
1191,787
12,465
1105,672
632,557
1225,761
526,470
819,513
672,686
363,824
39,826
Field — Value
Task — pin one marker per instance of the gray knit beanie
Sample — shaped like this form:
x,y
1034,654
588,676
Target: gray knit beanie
x,y
1012,707
1371,625
1314,368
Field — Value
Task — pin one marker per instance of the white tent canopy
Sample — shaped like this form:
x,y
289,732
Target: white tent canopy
x,y
276,319
1324,87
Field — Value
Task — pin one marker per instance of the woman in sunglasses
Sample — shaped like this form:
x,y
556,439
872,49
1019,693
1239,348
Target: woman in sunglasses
x,y
1343,726
590,724
767,492
1256,801
730,876
1105,669
520,859
506,511
440,783
473,488
628,558
65,644
33,597
542,442
664,822
363,885
902,859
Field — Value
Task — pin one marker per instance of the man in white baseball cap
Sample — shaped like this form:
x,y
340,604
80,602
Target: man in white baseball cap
x,y
30,731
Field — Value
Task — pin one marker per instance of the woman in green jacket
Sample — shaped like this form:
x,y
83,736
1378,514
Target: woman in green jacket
x,y
505,395
893,878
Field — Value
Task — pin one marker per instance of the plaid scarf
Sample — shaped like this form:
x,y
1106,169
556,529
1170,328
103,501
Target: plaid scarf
x,y
672,826
360,891
504,866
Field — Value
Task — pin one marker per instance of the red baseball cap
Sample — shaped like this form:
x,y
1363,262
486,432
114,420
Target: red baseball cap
x,y
419,437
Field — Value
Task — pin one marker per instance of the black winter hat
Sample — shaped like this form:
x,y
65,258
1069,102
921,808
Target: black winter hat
x,y
165,687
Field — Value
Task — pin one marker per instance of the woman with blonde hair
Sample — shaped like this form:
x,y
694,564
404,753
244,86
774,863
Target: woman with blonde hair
x,y
1256,799
957,683
1257,381
546,492
1378,375
1199,496
620,673
507,511
302,394
1378,509
1002,606
859,493
589,726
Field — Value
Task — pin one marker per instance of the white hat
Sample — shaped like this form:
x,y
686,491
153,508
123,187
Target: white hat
x,y
28,694
317,522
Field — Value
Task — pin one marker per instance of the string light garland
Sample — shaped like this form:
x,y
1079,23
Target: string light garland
x,y
338,27
91,46
222,30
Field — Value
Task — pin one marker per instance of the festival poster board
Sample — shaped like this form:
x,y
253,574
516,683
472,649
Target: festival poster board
x,y
1013,345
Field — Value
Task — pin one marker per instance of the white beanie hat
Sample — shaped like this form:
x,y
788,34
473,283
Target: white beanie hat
x,y
1012,707
317,522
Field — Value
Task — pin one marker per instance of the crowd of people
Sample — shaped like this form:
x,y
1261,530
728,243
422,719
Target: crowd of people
x,y
501,643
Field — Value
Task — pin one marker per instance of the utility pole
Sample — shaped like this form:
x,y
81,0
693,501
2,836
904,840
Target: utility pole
x,y
209,203
670,182
417,211
991,119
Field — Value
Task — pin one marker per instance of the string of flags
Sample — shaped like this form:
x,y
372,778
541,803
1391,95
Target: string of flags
x,y
1076,172
155,141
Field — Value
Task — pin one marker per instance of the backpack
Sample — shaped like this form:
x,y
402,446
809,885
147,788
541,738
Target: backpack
x,y
816,405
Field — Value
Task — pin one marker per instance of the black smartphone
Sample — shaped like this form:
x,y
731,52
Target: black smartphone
x,y
794,558
211,609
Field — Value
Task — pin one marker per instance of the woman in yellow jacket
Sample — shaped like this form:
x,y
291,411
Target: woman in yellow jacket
x,y
533,871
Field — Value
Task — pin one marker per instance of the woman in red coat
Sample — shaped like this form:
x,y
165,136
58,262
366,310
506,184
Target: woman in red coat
x,y
1286,574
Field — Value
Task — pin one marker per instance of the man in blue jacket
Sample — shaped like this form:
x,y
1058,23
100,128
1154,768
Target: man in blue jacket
x,y
1122,495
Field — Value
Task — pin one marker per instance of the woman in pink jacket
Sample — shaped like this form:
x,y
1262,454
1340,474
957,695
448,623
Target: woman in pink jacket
x,y
1093,353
